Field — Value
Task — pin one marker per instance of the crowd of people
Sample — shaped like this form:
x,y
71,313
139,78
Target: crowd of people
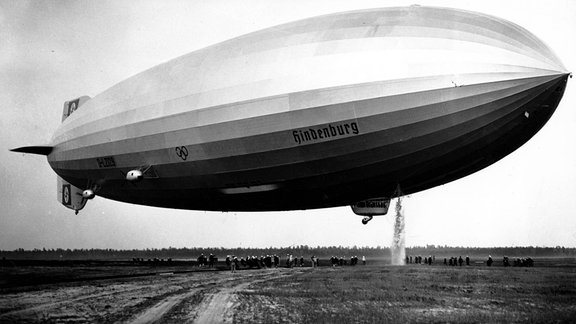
x,y
273,261
518,262
459,261
290,261
209,261
154,261
341,261
453,261
417,259
269,261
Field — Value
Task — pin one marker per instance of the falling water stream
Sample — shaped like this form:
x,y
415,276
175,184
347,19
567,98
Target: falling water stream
x,y
398,247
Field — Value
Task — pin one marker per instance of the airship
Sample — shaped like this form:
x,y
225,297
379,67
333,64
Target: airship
x,y
335,110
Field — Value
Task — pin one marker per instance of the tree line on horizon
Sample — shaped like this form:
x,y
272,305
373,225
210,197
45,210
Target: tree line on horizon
x,y
305,251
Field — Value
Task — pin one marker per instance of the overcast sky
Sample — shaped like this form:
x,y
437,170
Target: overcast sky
x,y
53,51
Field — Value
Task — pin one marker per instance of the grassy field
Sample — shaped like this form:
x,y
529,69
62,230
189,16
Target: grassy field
x,y
105,291
414,293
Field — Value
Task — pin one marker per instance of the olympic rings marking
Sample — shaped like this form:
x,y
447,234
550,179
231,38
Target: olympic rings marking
x,y
182,152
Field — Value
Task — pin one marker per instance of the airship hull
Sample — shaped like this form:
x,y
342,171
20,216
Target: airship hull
x,y
318,113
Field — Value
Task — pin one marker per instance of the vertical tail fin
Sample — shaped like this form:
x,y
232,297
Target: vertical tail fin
x,y
70,196
72,105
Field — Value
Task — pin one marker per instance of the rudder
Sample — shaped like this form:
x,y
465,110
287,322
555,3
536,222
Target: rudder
x,y
69,195
72,105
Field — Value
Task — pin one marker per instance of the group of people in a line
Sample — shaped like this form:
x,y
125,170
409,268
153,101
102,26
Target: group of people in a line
x,y
273,261
209,261
418,259
341,261
269,261
453,261
459,261
292,261
154,261
518,262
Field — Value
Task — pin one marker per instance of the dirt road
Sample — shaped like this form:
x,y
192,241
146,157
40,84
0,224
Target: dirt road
x,y
197,297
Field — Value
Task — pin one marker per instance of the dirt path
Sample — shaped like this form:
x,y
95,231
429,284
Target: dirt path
x,y
219,306
205,297
52,301
107,301
156,312
217,297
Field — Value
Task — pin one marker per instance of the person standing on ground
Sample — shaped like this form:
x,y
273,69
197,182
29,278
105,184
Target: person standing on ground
x,y
233,264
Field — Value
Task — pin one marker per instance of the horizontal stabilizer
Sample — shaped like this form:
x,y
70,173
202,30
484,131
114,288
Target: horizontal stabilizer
x,y
41,150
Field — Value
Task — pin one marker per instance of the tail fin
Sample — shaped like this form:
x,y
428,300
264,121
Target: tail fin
x,y
72,105
70,196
